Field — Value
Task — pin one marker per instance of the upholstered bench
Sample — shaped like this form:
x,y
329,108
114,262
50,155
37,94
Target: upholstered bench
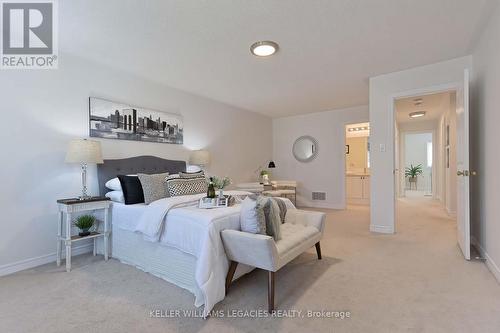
x,y
301,230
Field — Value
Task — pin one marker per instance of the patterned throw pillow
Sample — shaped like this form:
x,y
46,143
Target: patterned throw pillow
x,y
268,212
153,186
188,175
186,186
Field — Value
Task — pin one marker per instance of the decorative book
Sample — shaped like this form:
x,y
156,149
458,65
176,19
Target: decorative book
x,y
216,202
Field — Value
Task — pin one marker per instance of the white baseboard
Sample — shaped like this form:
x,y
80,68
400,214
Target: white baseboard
x,y
452,213
382,229
490,263
42,260
319,204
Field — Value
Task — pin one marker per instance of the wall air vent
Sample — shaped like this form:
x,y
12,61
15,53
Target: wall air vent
x,y
319,195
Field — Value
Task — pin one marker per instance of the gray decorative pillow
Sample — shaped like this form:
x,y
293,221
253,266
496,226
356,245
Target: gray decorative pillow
x,y
189,175
269,213
186,186
153,186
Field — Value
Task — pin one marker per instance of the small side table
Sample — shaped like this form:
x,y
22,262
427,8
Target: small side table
x,y
75,205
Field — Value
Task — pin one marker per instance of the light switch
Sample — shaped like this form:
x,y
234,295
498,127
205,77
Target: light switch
x,y
382,147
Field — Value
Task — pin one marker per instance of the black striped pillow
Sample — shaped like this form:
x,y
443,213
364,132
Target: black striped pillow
x,y
190,175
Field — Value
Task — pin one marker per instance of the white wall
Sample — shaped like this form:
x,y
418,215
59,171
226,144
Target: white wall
x,y
382,91
415,154
326,173
42,110
485,187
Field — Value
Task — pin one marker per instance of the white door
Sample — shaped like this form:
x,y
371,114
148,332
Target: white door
x,y
463,205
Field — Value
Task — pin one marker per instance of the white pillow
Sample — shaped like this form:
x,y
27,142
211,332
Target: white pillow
x,y
114,184
249,217
116,196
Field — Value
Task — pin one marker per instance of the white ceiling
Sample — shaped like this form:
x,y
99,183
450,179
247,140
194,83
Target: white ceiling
x,y
435,105
328,48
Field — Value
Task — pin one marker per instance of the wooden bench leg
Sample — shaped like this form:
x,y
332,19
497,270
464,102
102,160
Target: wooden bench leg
x,y
230,274
270,292
318,250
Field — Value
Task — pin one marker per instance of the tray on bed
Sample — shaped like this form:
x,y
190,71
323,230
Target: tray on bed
x,y
217,202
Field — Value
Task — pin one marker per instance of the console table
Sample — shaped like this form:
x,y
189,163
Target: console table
x,y
70,207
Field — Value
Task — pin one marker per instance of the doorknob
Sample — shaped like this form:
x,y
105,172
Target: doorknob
x,y
460,173
464,173
473,173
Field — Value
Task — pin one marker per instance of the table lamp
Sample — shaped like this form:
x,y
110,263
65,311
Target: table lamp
x,y
200,158
84,152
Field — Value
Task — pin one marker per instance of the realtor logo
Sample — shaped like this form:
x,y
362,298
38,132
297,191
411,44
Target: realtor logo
x,y
29,34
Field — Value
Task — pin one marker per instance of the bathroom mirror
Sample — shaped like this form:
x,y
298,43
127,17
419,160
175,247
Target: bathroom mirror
x,y
305,148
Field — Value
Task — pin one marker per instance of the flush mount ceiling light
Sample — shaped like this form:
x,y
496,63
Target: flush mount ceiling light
x,y
264,48
417,114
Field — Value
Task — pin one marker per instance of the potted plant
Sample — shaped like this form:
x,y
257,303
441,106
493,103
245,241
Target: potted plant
x,y
84,223
264,175
412,172
220,184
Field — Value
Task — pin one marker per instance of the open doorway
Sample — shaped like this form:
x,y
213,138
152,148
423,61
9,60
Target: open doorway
x,y
357,163
426,151
417,155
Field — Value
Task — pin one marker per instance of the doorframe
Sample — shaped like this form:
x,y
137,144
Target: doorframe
x,y
428,90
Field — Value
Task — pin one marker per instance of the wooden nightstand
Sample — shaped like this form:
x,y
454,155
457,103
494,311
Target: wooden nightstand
x,y
75,205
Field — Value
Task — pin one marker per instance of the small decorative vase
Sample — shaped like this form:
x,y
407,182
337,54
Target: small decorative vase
x,y
84,232
221,193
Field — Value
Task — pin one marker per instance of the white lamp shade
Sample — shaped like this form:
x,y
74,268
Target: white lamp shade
x,y
199,157
84,151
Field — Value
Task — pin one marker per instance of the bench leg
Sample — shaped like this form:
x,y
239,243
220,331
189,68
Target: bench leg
x,y
318,250
230,274
270,292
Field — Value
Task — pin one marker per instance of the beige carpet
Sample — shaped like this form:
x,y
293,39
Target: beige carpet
x,y
414,281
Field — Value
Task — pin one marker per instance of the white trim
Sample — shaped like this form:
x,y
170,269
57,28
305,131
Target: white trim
x,y
452,213
492,266
42,260
320,204
382,229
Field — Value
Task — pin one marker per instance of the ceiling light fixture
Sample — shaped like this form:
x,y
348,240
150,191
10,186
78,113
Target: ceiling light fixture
x,y
417,114
357,129
264,48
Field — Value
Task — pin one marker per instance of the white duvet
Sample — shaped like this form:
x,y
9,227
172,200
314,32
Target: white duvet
x,y
197,232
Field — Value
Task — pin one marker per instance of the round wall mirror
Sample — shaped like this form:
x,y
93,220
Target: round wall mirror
x,y
305,148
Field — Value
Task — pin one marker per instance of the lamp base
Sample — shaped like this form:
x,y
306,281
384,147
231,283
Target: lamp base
x,y
84,197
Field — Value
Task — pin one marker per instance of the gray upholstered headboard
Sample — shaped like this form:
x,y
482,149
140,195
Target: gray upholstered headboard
x,y
133,165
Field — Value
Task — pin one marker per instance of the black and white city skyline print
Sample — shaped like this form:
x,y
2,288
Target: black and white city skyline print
x,y
112,120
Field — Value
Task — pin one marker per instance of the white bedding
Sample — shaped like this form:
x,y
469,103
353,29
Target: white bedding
x,y
177,222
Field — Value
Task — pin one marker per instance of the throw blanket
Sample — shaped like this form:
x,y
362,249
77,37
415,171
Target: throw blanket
x,y
199,237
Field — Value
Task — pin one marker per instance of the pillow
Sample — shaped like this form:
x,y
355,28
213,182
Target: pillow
x,y
132,189
269,213
199,174
154,186
283,209
186,186
116,196
114,184
249,218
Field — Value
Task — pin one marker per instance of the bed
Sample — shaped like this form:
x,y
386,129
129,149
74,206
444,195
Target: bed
x,y
187,250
